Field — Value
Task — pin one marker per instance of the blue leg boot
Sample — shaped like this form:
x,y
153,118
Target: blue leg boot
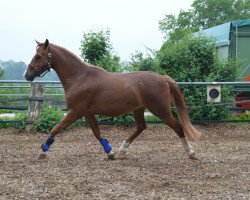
x,y
107,148
45,147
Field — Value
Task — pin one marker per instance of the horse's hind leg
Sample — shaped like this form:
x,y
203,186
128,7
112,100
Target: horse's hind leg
x,y
176,126
140,127
95,129
163,111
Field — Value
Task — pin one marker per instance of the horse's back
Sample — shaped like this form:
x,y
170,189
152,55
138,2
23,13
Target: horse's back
x,y
149,86
148,82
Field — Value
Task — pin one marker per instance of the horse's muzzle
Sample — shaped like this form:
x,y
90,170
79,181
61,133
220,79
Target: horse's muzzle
x,y
29,78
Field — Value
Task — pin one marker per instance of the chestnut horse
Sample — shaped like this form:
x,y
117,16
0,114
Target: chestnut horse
x,y
91,91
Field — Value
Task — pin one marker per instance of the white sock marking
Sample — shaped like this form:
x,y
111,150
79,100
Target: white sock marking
x,y
188,148
124,146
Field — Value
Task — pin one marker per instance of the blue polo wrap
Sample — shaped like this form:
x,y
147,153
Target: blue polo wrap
x,y
49,141
105,144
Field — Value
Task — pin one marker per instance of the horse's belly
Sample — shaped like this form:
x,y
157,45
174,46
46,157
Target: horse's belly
x,y
112,100
115,108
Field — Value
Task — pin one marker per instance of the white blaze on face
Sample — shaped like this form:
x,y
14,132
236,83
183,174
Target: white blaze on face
x,y
25,72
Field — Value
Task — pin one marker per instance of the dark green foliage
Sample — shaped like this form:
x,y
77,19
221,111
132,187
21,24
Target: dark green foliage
x,y
96,49
203,14
127,118
22,117
195,59
140,62
111,63
188,60
48,118
17,122
95,46
209,13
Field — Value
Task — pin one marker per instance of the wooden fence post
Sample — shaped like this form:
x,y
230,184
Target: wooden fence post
x,y
35,103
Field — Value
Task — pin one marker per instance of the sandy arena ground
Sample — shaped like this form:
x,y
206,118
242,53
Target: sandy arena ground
x,y
155,166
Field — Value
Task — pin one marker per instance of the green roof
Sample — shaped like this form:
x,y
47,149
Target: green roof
x,y
245,22
222,32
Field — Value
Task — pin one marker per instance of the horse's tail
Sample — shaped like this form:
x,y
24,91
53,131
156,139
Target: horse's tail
x,y
182,111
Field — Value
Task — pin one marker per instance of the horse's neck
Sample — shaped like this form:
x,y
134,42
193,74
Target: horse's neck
x,y
67,66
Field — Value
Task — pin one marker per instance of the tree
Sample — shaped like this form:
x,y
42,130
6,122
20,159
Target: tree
x,y
211,13
141,62
204,14
1,71
175,28
13,70
96,49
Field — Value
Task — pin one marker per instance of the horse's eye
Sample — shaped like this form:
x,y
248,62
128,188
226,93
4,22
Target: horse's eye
x,y
37,57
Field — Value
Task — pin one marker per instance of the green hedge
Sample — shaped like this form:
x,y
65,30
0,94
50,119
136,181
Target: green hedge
x,y
196,59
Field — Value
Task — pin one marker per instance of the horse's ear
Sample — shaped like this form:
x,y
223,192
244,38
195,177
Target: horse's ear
x,y
38,43
46,43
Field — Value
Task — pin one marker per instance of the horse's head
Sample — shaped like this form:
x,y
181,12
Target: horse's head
x,y
40,63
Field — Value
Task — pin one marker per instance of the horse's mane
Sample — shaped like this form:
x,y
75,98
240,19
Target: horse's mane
x,y
74,57
68,52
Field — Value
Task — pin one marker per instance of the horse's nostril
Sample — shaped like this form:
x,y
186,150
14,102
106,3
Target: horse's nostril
x,y
28,78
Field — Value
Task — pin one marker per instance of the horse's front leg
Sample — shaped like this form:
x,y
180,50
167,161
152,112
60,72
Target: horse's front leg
x,y
69,119
95,129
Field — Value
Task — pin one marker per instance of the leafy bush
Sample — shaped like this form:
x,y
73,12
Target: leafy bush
x,y
5,123
152,118
141,62
48,118
22,117
127,118
17,122
196,59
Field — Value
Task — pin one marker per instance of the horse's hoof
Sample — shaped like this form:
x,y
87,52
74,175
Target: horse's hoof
x,y
122,152
192,156
111,155
41,156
